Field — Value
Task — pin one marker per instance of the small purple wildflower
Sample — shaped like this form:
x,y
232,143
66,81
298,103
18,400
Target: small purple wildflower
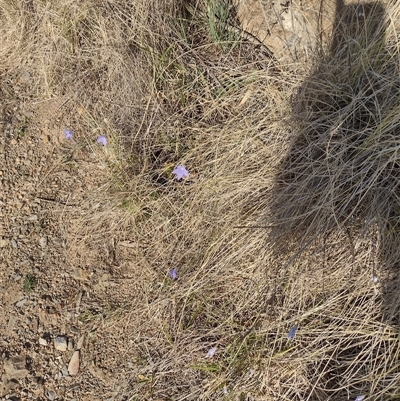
x,y
102,140
180,172
292,332
68,134
173,273
211,352
360,398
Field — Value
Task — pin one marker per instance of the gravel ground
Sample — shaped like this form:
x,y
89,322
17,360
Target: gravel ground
x,y
54,287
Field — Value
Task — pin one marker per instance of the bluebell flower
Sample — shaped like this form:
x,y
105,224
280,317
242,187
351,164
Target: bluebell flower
x,y
292,332
102,140
211,352
180,172
173,273
68,134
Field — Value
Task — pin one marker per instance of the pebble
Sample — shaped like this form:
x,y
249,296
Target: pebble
x,y
43,242
16,277
43,341
15,367
28,114
11,323
20,303
80,342
64,371
73,366
51,395
60,343
70,345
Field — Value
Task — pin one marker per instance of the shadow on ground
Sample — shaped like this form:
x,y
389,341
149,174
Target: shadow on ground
x,y
339,184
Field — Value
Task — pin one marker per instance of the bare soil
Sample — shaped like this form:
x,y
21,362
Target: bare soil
x,y
52,282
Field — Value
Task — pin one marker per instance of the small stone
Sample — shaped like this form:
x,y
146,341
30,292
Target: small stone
x,y
43,341
80,342
11,323
27,113
73,366
43,242
21,303
64,371
16,277
70,345
60,343
51,395
79,274
15,368
14,244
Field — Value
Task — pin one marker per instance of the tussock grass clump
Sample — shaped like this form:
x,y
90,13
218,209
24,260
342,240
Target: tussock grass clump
x,y
288,217
343,164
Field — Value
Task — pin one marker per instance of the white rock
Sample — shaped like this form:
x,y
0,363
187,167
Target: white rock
x,y
43,242
60,343
42,341
21,303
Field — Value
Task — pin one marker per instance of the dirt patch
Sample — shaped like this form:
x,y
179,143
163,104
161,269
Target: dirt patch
x,y
290,29
52,284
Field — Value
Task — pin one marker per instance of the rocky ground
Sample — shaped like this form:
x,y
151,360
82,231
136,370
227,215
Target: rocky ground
x,y
55,284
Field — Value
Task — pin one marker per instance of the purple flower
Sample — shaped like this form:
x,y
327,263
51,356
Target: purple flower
x,y
360,398
68,134
292,332
180,172
102,140
211,352
173,273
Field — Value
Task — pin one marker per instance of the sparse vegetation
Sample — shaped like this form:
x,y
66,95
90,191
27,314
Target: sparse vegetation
x,y
290,212
29,283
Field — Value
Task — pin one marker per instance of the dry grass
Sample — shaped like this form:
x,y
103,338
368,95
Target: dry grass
x,y
312,154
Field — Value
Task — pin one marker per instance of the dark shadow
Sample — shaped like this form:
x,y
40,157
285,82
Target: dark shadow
x,y
340,180
325,178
